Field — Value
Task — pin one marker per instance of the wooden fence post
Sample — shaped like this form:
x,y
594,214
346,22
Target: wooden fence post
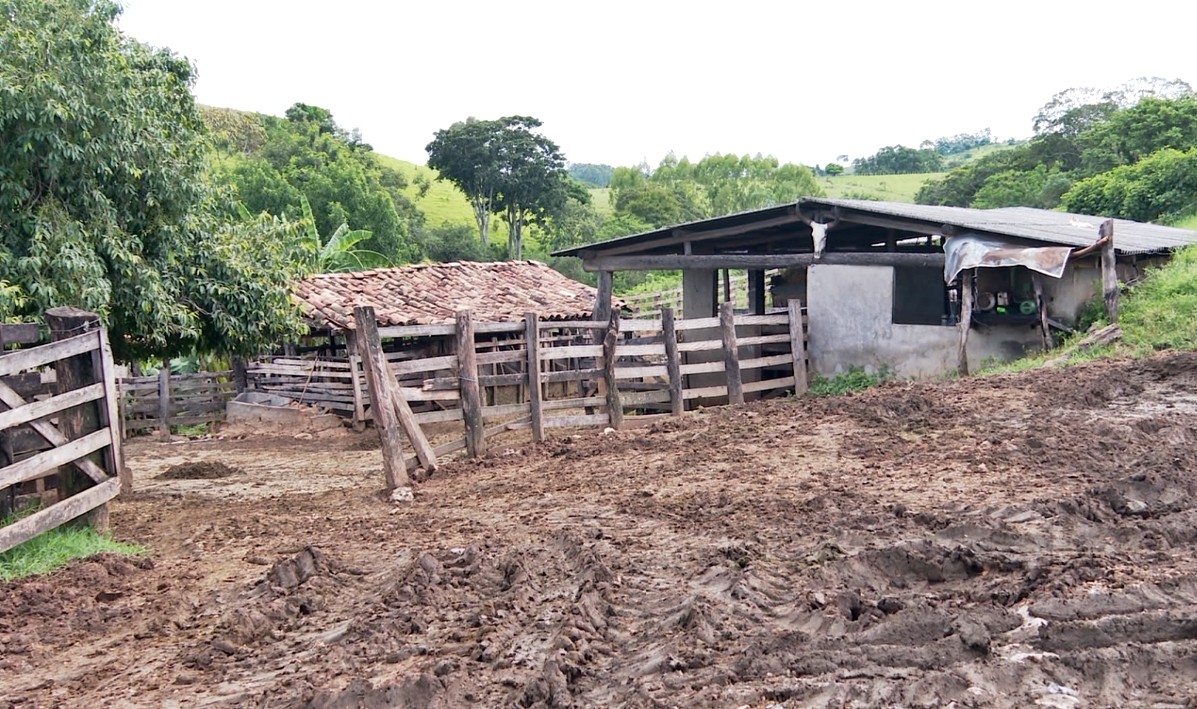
x,y
798,346
164,402
377,376
673,362
966,317
532,335
1109,270
614,404
467,375
74,423
731,352
240,376
359,404
112,407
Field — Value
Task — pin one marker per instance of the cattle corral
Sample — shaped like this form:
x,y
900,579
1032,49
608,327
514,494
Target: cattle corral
x,y
1003,541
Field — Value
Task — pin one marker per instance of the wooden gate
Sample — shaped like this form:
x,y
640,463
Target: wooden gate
x,y
76,430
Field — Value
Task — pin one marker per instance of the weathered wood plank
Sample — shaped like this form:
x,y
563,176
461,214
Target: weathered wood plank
x,y
677,403
571,375
668,262
471,399
653,350
614,406
1109,271
764,340
46,461
20,360
40,409
798,346
571,351
770,361
428,364
58,514
369,344
966,315
578,421
768,384
697,324
532,366
656,370
731,354
700,346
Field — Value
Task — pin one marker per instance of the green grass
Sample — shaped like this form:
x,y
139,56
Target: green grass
x,y
56,548
444,203
1188,222
600,198
855,379
889,188
1159,313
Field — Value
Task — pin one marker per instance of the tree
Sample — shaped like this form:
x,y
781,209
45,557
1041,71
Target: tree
x,y
899,160
465,154
104,201
590,174
834,168
306,154
1161,187
505,167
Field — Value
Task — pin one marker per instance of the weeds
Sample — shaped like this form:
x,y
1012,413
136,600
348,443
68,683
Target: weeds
x,y
56,548
855,379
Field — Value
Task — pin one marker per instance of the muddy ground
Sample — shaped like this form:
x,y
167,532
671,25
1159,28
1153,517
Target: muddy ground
x,y
1010,541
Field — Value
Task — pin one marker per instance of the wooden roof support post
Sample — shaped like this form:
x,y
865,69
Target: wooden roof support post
x,y
1041,308
673,362
378,373
532,335
1109,270
966,317
164,401
467,375
798,346
614,403
731,353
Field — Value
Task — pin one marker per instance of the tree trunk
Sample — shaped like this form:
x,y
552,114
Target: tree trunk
x,y
482,217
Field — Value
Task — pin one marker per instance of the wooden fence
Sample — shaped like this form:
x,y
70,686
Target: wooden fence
x,y
166,400
70,440
626,371
734,287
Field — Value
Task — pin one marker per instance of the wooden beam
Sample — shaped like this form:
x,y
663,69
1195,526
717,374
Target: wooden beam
x,y
110,412
762,261
44,520
359,401
673,363
164,402
1041,308
614,405
687,237
966,316
471,395
731,353
1109,270
798,346
369,344
757,292
532,336
407,419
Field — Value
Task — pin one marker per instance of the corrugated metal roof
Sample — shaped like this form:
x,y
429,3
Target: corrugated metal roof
x,y
1040,225
1028,223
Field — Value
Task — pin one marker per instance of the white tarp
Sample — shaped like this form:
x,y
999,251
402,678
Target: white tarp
x,y
972,251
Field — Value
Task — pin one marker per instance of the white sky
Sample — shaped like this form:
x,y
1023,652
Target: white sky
x,y
619,82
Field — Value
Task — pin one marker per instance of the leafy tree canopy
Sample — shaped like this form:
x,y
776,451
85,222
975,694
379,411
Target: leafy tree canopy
x,y
899,160
104,201
272,162
505,167
680,190
590,174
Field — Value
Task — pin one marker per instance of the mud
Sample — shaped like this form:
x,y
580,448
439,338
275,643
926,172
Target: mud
x,y
198,471
1013,541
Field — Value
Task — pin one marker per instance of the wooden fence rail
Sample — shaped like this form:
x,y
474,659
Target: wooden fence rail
x,y
166,400
63,450
624,372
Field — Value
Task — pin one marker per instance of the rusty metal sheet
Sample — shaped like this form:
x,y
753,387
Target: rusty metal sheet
x,y
972,251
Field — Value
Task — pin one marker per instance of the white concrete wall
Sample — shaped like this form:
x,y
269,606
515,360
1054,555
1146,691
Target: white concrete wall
x,y
851,313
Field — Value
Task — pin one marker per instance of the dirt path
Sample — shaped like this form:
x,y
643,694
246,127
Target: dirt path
x,y
1012,541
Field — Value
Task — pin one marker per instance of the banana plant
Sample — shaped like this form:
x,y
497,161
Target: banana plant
x,y
340,253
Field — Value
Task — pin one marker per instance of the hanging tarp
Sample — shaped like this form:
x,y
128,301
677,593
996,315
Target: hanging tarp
x,y
972,251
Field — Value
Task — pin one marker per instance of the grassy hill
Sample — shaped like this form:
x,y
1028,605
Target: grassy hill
x,y
889,188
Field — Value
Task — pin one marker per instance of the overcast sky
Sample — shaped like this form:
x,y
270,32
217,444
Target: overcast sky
x,y
619,82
